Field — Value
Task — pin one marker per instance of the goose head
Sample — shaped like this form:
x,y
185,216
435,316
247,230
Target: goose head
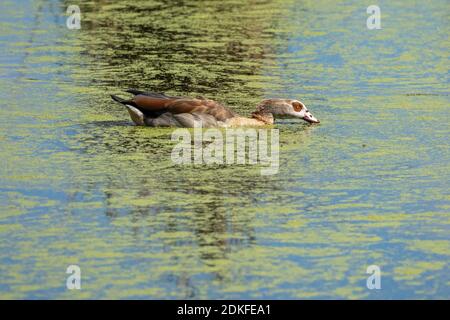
x,y
285,108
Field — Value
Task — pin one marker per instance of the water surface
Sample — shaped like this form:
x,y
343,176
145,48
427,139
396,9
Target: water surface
x,y
369,185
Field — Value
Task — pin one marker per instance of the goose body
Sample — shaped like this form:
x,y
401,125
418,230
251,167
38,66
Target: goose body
x,y
159,110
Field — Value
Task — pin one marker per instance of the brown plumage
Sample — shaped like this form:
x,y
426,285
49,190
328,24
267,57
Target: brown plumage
x,y
160,110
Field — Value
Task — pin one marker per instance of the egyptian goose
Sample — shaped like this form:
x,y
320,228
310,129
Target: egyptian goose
x,y
158,110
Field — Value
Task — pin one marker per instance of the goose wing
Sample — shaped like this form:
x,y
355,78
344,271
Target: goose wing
x,y
201,107
153,105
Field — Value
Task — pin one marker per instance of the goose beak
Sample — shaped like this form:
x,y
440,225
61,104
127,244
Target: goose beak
x,y
308,117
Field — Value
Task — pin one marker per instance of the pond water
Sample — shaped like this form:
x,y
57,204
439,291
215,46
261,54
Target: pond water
x,y
79,184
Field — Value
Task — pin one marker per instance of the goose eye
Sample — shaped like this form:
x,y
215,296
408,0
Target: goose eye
x,y
297,106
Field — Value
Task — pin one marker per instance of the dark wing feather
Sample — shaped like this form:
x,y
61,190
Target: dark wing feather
x,y
152,94
154,107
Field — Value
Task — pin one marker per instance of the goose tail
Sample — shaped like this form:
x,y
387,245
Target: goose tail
x,y
120,100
